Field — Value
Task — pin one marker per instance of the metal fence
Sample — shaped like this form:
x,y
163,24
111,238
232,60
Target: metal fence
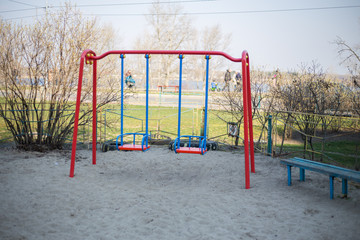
x,y
279,136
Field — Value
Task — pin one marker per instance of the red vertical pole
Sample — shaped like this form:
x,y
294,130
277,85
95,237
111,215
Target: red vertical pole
x,y
94,129
252,157
77,108
76,120
246,112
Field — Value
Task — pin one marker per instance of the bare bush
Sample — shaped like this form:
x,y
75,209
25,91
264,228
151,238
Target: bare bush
x,y
39,73
351,59
310,93
262,100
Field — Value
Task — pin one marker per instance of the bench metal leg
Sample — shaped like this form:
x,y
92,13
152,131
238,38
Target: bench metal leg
x,y
344,187
302,175
289,175
331,178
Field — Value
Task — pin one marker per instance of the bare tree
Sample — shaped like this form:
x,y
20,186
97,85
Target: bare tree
x,y
306,95
169,30
351,59
262,100
39,70
213,39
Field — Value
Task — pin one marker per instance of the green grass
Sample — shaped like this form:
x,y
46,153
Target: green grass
x,y
160,118
345,147
343,153
5,135
165,119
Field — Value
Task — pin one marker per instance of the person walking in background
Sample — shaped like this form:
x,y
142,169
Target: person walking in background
x,y
214,86
227,79
238,81
129,81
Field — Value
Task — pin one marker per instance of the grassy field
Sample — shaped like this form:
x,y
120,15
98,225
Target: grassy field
x,y
344,153
163,122
5,135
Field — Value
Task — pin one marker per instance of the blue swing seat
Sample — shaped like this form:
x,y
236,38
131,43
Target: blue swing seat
x,y
202,149
144,142
133,147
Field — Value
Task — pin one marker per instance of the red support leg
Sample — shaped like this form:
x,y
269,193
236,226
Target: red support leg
x,y
246,119
94,116
252,157
77,109
76,120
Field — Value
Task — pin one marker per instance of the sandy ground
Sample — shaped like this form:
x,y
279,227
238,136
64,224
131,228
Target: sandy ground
x,y
161,195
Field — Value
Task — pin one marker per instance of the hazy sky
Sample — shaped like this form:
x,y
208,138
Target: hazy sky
x,y
277,34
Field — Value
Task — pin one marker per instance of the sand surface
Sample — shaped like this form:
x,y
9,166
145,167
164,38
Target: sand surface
x,y
161,195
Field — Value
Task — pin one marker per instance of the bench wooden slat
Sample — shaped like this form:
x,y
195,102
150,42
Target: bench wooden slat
x,y
330,170
324,168
324,164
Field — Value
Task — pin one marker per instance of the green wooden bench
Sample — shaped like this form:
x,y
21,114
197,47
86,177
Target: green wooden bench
x,y
330,170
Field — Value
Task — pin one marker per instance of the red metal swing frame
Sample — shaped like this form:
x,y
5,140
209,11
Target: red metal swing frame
x,y
89,57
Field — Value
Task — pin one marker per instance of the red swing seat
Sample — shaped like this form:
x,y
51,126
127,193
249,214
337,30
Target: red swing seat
x,y
132,147
191,150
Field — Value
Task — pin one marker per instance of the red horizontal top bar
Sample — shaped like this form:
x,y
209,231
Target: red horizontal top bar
x,y
175,52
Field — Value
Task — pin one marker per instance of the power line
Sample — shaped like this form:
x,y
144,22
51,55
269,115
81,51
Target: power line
x,y
20,10
105,5
32,16
231,12
138,3
283,10
185,13
34,7
24,3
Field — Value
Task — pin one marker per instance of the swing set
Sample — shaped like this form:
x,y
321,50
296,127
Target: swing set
x,y
145,139
202,139
89,57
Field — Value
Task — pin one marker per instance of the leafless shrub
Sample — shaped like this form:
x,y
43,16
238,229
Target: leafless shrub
x,y
39,72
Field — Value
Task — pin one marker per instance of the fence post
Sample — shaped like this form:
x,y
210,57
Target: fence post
x,y
104,127
269,136
158,126
100,132
202,122
193,126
